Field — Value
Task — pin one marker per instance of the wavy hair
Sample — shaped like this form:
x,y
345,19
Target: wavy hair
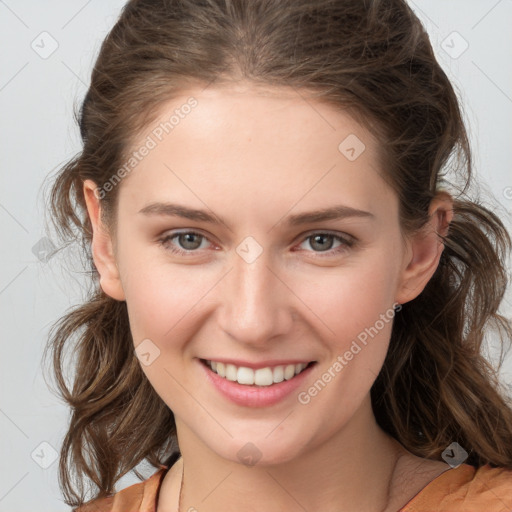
x,y
373,57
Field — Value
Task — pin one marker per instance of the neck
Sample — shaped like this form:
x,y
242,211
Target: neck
x,y
353,470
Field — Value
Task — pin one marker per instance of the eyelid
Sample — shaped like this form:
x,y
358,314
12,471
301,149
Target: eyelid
x,y
338,234
347,242
169,235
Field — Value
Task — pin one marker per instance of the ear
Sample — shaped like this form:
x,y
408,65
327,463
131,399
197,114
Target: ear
x,y
102,246
425,249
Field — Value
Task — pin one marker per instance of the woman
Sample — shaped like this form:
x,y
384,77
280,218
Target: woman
x,y
291,285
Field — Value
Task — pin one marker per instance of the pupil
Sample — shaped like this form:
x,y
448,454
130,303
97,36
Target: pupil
x,y
316,237
187,238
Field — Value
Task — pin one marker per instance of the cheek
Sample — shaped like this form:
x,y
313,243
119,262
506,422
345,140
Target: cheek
x,y
356,313
159,296
351,298
162,303
354,310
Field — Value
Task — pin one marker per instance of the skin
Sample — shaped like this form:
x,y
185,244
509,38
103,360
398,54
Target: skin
x,y
253,156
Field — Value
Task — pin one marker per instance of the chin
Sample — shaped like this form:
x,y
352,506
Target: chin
x,y
259,451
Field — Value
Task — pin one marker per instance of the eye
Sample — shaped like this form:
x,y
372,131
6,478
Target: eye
x,y
324,242
187,239
191,241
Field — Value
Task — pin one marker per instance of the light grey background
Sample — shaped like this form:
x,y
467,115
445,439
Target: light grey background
x,y
38,134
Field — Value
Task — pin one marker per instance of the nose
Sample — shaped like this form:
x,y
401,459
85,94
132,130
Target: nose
x,y
256,305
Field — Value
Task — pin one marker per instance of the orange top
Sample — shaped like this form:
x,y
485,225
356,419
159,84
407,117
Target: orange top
x,y
460,489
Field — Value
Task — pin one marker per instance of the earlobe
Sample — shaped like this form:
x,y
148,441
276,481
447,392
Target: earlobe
x,y
101,245
425,249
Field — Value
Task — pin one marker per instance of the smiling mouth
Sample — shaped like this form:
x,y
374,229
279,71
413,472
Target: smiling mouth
x,y
261,377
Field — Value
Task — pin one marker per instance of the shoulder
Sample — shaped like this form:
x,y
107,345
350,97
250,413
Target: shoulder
x,y
139,497
466,489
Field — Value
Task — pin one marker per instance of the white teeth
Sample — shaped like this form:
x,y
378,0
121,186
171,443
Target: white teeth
x,y
263,377
231,373
278,374
245,376
260,377
221,370
289,371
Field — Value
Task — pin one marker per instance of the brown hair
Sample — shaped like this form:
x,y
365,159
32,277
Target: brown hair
x,y
372,56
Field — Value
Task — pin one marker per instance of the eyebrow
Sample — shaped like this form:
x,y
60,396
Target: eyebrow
x,y
333,213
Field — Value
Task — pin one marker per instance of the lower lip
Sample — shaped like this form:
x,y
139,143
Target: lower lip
x,y
255,396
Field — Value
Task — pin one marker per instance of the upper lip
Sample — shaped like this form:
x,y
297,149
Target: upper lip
x,y
259,364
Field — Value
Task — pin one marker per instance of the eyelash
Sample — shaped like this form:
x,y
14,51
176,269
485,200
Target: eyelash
x,y
347,243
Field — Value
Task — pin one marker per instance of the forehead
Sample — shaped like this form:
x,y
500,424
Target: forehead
x,y
256,145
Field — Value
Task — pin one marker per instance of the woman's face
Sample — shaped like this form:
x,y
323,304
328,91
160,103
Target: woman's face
x,y
256,280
